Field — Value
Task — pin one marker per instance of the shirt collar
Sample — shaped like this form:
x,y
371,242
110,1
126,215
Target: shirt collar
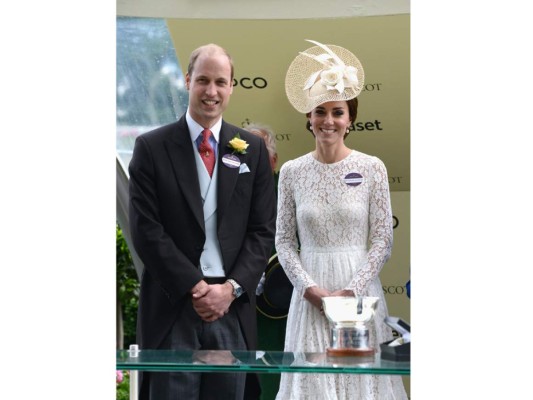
x,y
195,129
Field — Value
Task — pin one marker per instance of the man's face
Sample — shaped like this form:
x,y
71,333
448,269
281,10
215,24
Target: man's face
x,y
210,86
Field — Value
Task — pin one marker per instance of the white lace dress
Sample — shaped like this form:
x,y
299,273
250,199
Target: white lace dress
x,y
345,235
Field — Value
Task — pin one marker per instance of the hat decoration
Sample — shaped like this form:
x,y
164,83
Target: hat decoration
x,y
336,75
321,74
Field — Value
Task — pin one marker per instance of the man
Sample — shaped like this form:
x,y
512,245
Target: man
x,y
204,233
265,133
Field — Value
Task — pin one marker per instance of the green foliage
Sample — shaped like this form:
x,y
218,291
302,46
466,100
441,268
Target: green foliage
x,y
123,385
127,289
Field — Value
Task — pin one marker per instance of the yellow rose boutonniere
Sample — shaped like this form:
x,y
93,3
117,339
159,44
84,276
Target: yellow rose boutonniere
x,y
238,145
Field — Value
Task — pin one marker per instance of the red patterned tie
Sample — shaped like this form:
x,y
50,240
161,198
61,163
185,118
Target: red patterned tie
x,y
206,152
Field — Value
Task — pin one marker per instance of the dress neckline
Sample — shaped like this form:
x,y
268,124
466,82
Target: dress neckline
x,y
331,164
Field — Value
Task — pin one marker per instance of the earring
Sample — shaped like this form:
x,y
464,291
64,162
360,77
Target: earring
x,y
348,130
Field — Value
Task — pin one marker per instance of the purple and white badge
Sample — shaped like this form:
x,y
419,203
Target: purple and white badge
x,y
231,161
353,179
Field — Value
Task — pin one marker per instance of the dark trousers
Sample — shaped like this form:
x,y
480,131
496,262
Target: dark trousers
x,y
191,333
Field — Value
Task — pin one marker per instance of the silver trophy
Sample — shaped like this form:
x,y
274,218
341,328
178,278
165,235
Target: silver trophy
x,y
349,317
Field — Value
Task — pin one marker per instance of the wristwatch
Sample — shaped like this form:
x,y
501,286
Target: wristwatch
x,y
237,289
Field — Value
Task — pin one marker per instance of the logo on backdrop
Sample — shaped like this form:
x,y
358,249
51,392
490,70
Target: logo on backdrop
x,y
280,137
367,126
394,290
250,83
395,179
372,87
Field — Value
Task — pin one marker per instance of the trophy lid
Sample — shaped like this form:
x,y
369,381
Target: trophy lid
x,y
349,310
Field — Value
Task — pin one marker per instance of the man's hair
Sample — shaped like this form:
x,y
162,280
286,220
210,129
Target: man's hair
x,y
209,49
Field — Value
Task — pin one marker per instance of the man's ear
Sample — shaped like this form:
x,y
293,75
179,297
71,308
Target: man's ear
x,y
187,81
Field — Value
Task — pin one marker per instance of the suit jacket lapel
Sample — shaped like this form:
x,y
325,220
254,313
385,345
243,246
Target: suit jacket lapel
x,y
179,147
227,177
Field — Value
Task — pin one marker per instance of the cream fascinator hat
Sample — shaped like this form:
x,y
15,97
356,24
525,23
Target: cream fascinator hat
x,y
321,74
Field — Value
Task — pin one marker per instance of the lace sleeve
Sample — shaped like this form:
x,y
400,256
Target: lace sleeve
x,y
380,230
286,234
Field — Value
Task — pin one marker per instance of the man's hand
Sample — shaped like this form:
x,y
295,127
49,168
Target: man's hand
x,y
212,302
200,289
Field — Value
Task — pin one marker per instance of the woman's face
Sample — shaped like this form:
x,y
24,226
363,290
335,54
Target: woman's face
x,y
329,121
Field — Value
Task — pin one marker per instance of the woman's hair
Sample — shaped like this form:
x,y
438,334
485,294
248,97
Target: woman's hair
x,y
352,110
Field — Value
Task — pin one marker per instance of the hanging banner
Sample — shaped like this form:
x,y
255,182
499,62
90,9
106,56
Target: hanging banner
x,y
262,51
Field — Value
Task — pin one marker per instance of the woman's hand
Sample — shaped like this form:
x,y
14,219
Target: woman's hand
x,y
343,293
314,296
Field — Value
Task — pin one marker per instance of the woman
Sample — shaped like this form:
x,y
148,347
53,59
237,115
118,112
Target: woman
x,y
336,202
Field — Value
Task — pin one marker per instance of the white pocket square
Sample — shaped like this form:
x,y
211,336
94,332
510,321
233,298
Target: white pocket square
x,y
243,168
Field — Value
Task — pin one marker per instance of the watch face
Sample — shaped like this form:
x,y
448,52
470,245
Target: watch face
x,y
237,289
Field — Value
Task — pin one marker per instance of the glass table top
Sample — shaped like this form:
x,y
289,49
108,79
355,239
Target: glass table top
x,y
257,361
